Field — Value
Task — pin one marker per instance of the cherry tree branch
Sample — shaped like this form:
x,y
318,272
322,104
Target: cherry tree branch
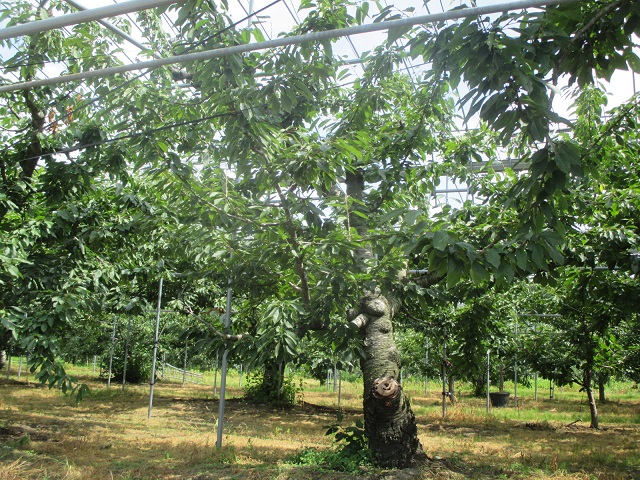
x,y
225,336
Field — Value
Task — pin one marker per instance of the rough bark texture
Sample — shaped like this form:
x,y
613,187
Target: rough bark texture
x,y
389,422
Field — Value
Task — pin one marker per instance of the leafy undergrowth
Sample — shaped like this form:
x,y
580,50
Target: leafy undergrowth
x,y
349,454
45,435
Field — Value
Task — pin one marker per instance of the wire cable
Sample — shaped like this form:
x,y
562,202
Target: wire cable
x,y
167,127
230,26
116,89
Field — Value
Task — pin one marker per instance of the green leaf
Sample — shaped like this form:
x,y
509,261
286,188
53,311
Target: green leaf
x,y
441,240
493,257
455,271
567,156
411,216
522,259
257,34
396,32
392,215
479,274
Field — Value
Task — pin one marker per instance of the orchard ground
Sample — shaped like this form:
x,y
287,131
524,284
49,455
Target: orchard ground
x,y
45,435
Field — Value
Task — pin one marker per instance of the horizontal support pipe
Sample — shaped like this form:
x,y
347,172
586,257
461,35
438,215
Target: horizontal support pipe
x,y
113,28
285,41
54,23
499,165
451,190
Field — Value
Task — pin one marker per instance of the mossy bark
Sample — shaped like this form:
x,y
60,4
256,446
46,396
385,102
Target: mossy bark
x,y
390,424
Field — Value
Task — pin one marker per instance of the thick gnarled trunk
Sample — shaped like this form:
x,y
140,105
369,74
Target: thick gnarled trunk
x,y
390,424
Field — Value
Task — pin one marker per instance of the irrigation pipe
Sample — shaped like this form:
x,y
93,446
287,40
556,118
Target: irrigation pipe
x,y
285,41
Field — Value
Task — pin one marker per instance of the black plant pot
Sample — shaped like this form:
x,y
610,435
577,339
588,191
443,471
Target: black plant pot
x,y
499,399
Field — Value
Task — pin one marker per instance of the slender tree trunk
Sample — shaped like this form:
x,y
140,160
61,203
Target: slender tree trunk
x,y
601,392
593,408
452,391
390,424
3,359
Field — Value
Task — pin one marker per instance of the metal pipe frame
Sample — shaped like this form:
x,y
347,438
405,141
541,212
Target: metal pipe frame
x,y
285,41
69,19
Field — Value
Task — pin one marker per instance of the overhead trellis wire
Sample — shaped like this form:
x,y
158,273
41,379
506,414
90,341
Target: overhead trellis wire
x,y
284,41
234,24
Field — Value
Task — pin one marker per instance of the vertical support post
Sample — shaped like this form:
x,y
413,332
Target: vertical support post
x,y
184,364
223,374
488,379
9,354
215,377
113,341
281,373
126,353
95,361
339,387
335,378
515,368
426,377
250,19
535,375
164,361
444,376
20,367
152,381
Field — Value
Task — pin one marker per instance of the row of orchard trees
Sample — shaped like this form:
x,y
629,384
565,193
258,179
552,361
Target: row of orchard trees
x,y
585,335
308,189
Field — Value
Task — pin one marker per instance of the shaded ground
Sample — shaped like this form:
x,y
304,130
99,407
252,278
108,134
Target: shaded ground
x,y
45,435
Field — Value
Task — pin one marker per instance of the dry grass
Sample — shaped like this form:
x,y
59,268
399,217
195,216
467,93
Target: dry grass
x,y
45,435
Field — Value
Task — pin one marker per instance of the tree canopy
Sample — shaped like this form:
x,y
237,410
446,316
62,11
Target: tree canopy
x,y
309,187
